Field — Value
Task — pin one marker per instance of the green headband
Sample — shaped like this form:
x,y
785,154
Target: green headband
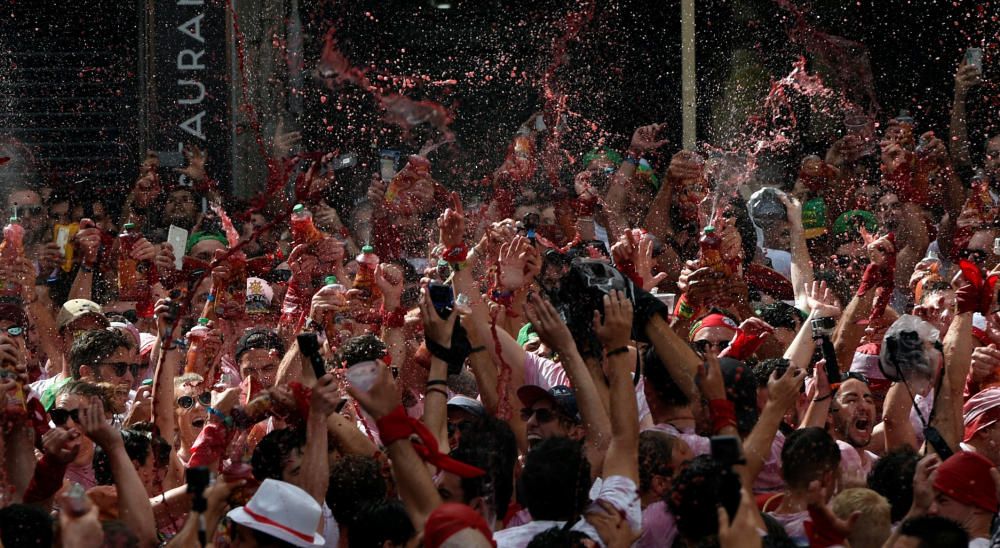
x,y
526,334
598,153
198,237
647,169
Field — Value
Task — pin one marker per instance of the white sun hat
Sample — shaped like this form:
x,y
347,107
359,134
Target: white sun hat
x,y
283,511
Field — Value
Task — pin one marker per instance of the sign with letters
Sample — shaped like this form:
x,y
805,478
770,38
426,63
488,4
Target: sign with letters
x,y
189,90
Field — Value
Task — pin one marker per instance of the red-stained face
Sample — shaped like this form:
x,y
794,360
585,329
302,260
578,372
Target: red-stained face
x,y
688,197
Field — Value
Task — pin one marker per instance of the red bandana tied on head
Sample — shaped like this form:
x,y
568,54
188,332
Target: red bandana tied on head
x,y
450,518
712,320
981,411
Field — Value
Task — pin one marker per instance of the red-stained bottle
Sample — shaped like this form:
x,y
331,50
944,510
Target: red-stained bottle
x,y
304,230
417,167
11,249
710,246
364,280
196,341
131,275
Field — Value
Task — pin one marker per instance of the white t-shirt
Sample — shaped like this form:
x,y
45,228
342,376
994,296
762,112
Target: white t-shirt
x,y
795,526
546,373
700,445
619,491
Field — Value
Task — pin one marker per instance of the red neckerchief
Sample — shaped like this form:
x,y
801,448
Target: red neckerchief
x,y
398,425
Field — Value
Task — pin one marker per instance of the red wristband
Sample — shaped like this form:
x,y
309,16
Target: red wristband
x,y
396,318
723,414
397,425
456,254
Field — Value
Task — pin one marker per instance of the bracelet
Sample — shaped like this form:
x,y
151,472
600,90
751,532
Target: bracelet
x,y
228,421
210,298
441,391
619,350
437,382
684,309
824,398
456,254
396,318
87,268
312,326
723,414
475,349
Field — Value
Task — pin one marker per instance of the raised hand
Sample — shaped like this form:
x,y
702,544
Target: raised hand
x,y
451,223
58,444
143,250
325,396
382,398
615,331
784,390
436,328
302,263
644,261
389,279
165,259
88,242
923,488
644,139
966,77
96,427
551,329
821,300
284,140
513,263
196,158
686,165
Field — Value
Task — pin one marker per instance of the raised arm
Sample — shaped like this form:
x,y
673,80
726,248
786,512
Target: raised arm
x,y
416,488
88,242
315,474
802,270
167,363
554,333
133,503
966,77
680,360
782,393
615,332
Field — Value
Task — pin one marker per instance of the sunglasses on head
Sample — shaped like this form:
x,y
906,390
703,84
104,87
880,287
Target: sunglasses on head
x,y
542,414
187,402
15,331
121,367
703,346
61,416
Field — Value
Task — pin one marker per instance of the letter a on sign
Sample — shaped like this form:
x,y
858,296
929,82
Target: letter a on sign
x,y
193,125
192,28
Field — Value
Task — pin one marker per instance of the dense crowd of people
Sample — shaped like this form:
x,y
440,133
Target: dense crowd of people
x,y
662,351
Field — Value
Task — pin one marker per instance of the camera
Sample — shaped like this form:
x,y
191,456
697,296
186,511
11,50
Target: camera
x,y
822,327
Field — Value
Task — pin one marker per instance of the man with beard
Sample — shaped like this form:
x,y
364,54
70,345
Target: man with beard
x,y
853,413
105,356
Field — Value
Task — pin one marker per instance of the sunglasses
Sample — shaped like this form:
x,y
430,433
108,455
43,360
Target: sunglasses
x,y
186,402
31,211
61,416
121,367
15,331
542,414
703,346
